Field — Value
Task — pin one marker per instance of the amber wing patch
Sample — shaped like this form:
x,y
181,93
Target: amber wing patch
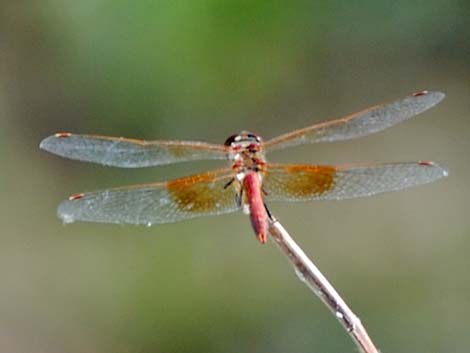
x,y
202,193
298,182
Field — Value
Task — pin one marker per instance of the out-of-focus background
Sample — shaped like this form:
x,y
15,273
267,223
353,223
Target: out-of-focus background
x,y
202,70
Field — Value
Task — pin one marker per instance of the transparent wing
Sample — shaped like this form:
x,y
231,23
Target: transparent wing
x,y
128,153
198,195
360,124
310,182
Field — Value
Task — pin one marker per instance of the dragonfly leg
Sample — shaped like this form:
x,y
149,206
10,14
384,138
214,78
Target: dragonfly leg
x,y
229,183
265,193
268,212
239,198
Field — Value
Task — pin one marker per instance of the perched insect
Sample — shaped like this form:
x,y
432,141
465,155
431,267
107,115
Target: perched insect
x,y
250,181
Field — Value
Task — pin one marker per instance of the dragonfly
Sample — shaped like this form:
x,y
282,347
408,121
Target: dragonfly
x,y
249,182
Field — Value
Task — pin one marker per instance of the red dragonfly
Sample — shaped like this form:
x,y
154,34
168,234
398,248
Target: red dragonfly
x,y
249,181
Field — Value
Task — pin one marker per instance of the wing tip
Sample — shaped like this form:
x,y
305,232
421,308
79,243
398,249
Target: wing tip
x,y
432,96
45,144
67,211
50,142
66,217
440,170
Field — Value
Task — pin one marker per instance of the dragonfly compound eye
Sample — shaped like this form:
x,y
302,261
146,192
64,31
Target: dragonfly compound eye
x,y
232,139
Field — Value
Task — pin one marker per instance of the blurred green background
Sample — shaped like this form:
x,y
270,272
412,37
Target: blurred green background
x,y
204,70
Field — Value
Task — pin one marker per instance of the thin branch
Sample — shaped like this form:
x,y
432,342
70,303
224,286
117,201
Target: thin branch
x,y
314,279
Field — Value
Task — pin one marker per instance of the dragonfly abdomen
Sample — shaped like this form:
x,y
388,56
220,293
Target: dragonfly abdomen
x,y
258,215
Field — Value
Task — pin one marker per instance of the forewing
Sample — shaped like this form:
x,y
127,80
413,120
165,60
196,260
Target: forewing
x,y
198,195
360,124
310,182
128,153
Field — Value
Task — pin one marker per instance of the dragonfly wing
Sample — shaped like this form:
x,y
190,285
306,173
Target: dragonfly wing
x,y
198,195
128,153
310,182
360,124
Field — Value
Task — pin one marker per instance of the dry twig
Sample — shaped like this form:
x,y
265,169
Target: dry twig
x,y
314,279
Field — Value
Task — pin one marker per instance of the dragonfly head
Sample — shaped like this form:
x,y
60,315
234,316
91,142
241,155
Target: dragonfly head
x,y
243,140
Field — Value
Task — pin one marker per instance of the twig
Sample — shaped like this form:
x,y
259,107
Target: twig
x,y
314,279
